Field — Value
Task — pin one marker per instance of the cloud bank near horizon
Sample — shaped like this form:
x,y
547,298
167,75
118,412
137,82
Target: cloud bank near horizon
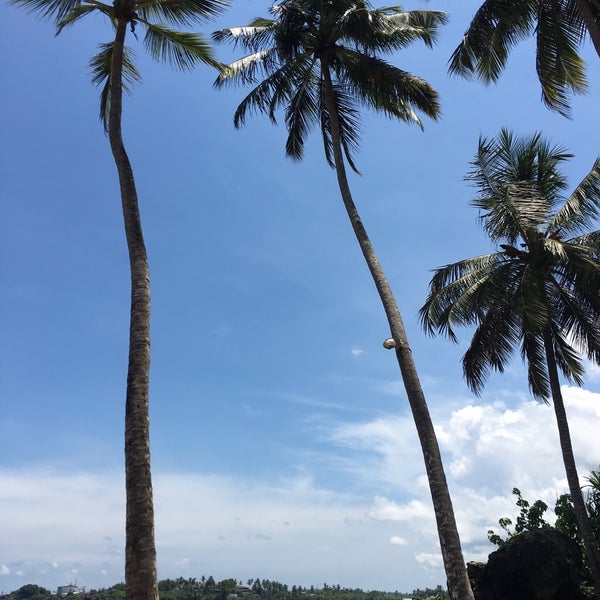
x,y
375,532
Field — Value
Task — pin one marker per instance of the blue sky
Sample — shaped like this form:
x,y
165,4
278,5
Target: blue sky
x,y
282,445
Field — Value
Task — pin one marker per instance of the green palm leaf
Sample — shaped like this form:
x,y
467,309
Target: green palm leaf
x,y
582,206
182,50
385,88
183,13
81,11
55,10
348,122
350,33
499,25
101,65
538,283
560,68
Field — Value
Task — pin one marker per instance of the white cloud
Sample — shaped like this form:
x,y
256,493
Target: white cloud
x,y
429,560
396,540
61,525
357,351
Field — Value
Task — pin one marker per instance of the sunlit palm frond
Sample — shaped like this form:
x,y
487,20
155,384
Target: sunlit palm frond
x,y
560,69
254,37
582,206
101,66
518,182
390,28
514,212
497,26
246,70
182,50
183,13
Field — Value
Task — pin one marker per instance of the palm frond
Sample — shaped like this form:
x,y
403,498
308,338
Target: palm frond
x,y
302,112
497,26
560,68
492,345
246,70
576,316
534,355
81,11
452,291
389,28
253,37
182,50
101,67
518,182
568,359
268,95
54,10
348,120
183,13
582,206
591,241
385,88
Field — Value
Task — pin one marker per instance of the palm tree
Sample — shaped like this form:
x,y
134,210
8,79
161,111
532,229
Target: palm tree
x,y
540,290
319,60
560,28
113,69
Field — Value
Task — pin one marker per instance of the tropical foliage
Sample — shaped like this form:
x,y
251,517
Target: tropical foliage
x,y
113,69
532,516
321,62
559,27
539,291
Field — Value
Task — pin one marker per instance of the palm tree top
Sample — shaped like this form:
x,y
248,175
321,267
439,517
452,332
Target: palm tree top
x,y
290,52
180,49
544,278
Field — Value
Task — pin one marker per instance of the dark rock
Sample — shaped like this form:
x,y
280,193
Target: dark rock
x,y
534,565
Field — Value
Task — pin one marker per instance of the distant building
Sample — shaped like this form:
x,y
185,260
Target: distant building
x,y
64,590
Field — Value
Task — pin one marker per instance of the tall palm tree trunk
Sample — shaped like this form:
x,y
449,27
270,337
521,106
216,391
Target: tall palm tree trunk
x,y
583,519
591,18
458,583
140,552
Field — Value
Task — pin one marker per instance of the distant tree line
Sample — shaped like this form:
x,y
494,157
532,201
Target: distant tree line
x,y
207,588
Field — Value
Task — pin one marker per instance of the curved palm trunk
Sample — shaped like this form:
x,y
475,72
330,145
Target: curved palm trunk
x,y
458,583
591,22
583,519
140,553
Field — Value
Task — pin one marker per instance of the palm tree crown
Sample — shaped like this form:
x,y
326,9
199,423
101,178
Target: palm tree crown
x,y
540,290
180,49
319,60
541,279
559,27
289,54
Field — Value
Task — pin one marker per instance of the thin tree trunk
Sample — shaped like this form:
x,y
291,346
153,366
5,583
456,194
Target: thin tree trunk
x,y
458,583
583,519
140,552
590,18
